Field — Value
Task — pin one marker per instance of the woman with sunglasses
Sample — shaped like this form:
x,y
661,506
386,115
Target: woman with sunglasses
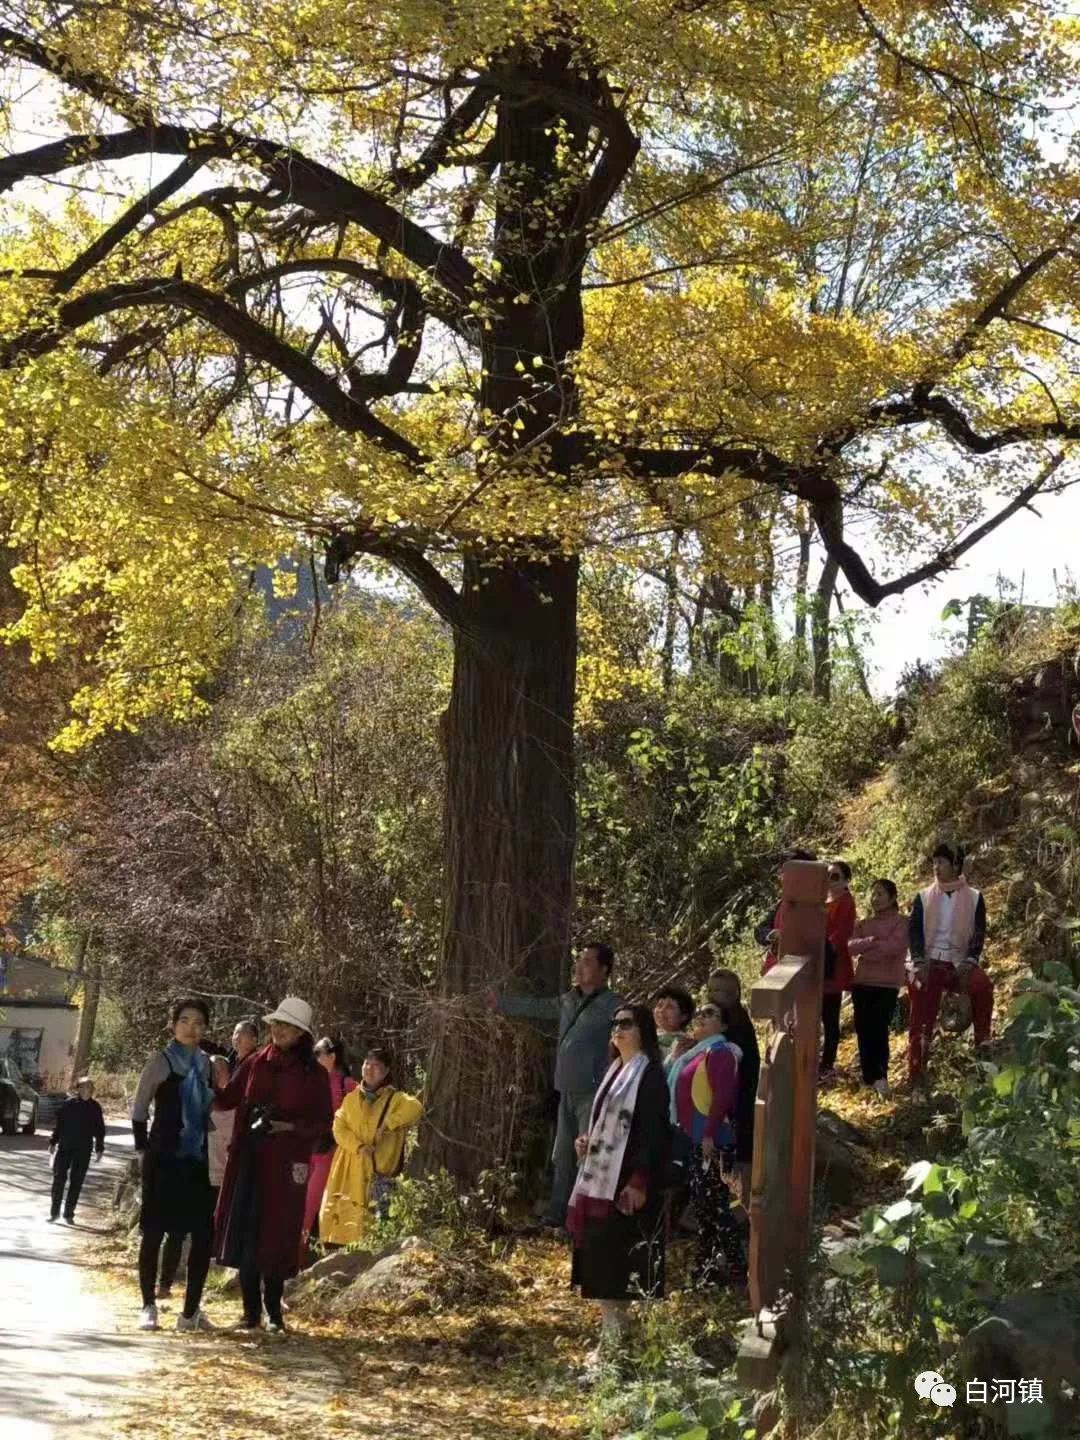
x,y
839,925
616,1212
704,1087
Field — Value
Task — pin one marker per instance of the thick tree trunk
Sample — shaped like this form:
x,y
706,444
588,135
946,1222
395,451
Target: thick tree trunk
x,y
820,638
510,829
510,805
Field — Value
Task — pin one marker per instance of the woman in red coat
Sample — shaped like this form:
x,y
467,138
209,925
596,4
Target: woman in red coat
x,y
282,1098
839,924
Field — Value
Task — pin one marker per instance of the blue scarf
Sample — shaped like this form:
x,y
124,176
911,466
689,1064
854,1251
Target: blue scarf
x,y
195,1098
677,1066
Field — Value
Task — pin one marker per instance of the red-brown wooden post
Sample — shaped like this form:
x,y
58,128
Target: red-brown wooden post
x,y
785,1118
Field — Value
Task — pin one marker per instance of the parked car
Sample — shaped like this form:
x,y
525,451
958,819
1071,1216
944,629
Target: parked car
x,y
18,1100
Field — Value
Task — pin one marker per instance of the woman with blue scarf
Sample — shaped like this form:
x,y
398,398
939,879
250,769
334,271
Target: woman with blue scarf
x,y
704,1087
176,1196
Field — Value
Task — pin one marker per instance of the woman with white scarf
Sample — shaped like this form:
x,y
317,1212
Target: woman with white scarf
x,y
616,1211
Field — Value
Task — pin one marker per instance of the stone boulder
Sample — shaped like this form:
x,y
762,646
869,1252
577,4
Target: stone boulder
x,y
420,1277
335,1271
1033,1335
838,1164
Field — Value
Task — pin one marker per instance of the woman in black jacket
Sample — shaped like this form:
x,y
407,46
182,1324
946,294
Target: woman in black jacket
x,y
176,1196
616,1212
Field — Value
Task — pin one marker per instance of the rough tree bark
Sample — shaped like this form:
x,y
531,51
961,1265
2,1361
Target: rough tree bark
x,y
820,642
510,799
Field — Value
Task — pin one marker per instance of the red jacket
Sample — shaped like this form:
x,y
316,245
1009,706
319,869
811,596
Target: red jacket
x,y
839,924
299,1093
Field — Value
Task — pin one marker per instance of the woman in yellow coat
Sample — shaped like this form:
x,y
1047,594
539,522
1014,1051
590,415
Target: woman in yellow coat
x,y
370,1131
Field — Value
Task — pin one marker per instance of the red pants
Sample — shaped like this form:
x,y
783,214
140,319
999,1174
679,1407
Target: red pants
x,y
926,993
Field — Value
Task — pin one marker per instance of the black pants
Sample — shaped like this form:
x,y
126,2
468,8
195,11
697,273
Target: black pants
x,y
874,1006
198,1263
830,1019
171,1254
719,1243
69,1167
257,1289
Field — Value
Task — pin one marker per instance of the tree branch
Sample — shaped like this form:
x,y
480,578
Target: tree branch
x,y
121,228
830,523
55,62
255,339
308,183
430,581
406,178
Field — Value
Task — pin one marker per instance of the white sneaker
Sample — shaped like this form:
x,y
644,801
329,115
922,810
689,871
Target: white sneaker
x,y
883,1088
148,1318
198,1321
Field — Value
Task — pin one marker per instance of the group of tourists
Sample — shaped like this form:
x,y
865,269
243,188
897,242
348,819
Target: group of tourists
x,y
934,951
250,1150
656,1104
254,1150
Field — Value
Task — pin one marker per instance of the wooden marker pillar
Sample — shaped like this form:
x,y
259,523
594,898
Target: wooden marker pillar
x,y
785,1117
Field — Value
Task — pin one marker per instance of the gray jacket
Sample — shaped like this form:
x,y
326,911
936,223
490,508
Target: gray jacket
x,y
582,1055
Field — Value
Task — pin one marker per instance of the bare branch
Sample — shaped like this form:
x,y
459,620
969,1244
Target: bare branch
x,y
306,182
255,339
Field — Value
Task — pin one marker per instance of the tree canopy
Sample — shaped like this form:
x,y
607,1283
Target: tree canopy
x,y
477,287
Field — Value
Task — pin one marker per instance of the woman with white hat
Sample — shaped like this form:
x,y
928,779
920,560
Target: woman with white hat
x,y
282,1099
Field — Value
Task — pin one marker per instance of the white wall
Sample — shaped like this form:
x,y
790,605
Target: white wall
x,y
59,1029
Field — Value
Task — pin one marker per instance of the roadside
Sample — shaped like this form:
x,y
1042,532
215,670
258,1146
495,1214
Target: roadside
x,y
61,1360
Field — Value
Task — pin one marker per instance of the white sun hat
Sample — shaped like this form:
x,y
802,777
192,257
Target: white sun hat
x,y
293,1011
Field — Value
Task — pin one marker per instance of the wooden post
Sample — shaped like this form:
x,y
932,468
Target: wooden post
x,y
785,1117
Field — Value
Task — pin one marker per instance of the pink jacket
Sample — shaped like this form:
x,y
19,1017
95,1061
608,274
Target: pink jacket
x,y
879,946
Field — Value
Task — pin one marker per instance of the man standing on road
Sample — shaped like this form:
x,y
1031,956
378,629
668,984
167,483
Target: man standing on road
x,y
584,1014
945,936
79,1128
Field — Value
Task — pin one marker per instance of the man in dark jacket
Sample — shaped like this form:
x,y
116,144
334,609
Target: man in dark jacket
x,y
584,1014
79,1129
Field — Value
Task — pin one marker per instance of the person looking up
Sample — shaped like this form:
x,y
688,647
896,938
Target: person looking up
x,y
616,1212
584,1014
281,1096
839,924
176,1195
946,935
879,947
673,1010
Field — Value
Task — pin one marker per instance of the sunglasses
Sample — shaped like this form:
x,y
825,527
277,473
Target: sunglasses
x,y
627,1022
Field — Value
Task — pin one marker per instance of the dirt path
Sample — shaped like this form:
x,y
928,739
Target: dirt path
x,y
61,1360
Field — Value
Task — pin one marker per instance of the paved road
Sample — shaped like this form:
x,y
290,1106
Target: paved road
x,y
60,1355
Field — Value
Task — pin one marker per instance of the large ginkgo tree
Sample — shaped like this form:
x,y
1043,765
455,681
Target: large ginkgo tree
x,y
473,288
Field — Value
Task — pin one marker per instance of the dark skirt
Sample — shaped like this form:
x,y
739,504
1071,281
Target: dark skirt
x,y
622,1257
177,1197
